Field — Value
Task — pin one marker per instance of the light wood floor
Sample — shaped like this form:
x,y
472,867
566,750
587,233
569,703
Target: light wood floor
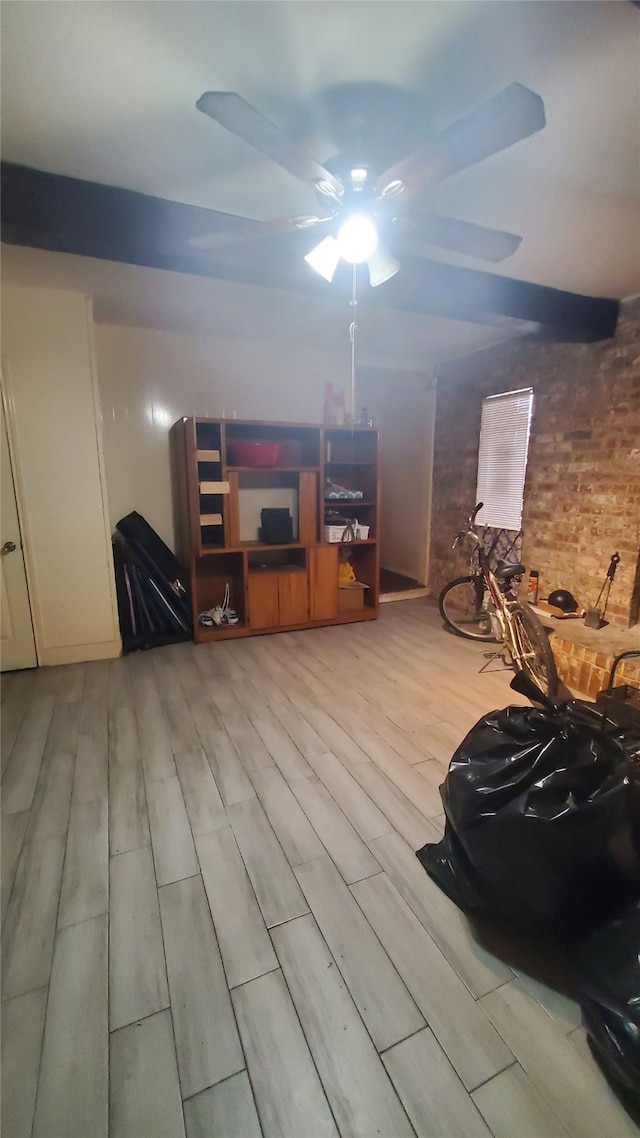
x,y
214,920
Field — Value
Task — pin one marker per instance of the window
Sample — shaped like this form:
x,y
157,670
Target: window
x,y
502,460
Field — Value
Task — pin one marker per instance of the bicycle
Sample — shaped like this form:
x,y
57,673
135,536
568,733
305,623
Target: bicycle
x,y
483,605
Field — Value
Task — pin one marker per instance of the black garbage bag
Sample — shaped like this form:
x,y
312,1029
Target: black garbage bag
x,y
609,995
542,819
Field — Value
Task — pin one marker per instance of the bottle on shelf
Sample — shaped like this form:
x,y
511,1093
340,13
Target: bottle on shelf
x,y
365,419
334,406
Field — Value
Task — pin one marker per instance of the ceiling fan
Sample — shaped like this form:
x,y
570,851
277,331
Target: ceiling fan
x,y
362,209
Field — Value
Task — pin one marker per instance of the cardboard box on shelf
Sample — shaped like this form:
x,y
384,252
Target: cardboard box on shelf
x,y
351,596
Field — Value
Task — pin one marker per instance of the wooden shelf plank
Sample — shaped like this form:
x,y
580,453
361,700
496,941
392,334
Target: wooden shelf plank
x,y
268,545
272,469
353,501
276,568
208,456
214,487
358,541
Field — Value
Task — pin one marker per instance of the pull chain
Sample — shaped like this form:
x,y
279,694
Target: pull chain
x,y
352,334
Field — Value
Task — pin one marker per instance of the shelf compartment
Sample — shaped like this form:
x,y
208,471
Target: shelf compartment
x,y
355,476
350,446
299,446
212,575
364,561
277,558
221,632
266,488
208,440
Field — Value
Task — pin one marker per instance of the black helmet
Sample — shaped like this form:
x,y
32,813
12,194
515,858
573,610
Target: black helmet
x,y
563,599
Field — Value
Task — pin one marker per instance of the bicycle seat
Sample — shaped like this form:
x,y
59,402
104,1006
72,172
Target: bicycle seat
x,y
504,571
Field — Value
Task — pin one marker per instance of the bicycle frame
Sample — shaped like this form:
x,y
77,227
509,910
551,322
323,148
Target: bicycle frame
x,y
483,605
497,590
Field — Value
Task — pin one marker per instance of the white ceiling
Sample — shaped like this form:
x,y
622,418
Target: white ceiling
x,y
106,91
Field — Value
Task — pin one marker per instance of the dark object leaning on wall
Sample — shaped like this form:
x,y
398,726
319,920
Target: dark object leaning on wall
x,y
153,603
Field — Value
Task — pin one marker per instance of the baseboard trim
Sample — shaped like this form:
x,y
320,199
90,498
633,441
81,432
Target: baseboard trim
x,y
405,595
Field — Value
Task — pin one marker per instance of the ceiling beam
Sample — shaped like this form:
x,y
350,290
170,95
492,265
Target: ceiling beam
x,y
66,215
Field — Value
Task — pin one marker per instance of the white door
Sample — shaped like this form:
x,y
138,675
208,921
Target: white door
x,y
17,645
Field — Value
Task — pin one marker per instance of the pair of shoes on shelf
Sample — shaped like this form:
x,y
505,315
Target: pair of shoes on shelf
x,y
220,614
227,614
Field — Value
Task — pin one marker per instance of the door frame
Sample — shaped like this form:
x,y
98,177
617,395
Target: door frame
x,y
7,407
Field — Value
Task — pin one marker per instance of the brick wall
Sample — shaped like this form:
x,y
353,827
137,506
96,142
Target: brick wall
x,y
585,670
582,490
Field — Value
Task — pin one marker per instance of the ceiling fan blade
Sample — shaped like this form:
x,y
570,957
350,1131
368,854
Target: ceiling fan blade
x,y
247,229
459,236
238,116
513,114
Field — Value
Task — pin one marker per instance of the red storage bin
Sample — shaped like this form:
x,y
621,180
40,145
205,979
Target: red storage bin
x,y
253,452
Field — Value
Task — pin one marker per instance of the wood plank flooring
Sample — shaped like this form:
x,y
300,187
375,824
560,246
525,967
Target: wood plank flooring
x,y
215,925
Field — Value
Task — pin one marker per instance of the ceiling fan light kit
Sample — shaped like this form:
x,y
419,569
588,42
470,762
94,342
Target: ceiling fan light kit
x,y
371,203
393,189
324,258
357,239
382,266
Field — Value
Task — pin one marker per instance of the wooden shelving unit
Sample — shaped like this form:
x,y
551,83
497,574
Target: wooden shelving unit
x,y
217,508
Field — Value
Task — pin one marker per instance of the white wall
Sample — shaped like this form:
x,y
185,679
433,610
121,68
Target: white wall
x,y
402,405
54,430
72,496
149,379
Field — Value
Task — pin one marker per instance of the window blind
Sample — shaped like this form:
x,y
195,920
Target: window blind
x,y
502,458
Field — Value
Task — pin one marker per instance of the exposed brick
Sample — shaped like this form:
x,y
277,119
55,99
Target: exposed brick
x,y
584,677
582,491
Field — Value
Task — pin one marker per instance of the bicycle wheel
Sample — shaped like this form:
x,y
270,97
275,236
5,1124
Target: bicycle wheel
x,y
537,658
460,604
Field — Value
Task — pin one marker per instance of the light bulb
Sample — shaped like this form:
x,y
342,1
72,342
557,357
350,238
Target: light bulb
x,y
357,239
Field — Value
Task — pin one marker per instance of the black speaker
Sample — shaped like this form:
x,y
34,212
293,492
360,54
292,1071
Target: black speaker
x,y
277,526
